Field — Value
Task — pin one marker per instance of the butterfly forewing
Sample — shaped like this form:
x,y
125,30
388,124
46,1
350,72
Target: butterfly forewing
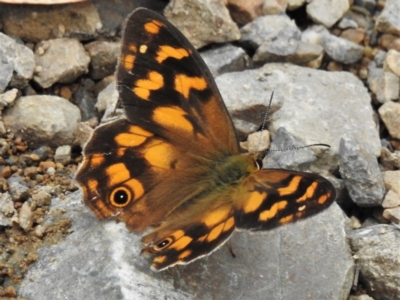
x,y
166,87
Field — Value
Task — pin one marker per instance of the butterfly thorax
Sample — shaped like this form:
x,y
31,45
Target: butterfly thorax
x,y
232,170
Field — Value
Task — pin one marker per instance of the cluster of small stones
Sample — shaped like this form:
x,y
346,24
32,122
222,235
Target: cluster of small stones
x,y
51,98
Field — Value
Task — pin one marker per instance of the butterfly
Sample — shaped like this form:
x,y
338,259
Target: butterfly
x,y
174,165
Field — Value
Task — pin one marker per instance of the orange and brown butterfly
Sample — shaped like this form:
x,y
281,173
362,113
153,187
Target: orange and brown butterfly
x,y
174,164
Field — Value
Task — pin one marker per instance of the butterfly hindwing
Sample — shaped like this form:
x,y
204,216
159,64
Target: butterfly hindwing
x,y
192,233
275,197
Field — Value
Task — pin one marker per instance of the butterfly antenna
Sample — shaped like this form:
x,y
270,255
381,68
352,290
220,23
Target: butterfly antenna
x,y
295,148
265,118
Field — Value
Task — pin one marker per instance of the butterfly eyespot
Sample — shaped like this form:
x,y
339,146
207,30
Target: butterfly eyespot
x,y
163,244
120,197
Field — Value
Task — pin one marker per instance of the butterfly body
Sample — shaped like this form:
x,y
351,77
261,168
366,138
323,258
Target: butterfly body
x,y
174,163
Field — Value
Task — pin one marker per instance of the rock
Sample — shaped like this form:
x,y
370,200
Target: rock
x,y
367,4
390,115
360,171
389,21
274,7
18,192
42,152
342,50
339,49
86,103
17,59
360,297
392,62
307,103
43,119
305,54
60,60
63,154
326,12
82,133
347,22
270,263
7,210
295,4
389,160
245,11
267,29
353,35
41,198
107,101
226,59
113,13
391,200
392,180
388,41
385,85
8,98
377,249
10,292
314,34
103,58
300,159
258,141
25,216
392,214
6,72
44,22
209,21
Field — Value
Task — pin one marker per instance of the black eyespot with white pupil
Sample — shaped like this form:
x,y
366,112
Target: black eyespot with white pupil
x,y
163,244
120,197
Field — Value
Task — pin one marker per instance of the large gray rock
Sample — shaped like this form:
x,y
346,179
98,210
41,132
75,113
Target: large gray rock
x,y
60,60
314,106
202,21
17,59
43,119
100,260
360,172
378,258
327,12
389,21
34,23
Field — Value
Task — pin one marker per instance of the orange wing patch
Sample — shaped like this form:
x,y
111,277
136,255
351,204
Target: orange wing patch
x,y
128,61
161,154
117,174
135,137
271,213
153,27
166,51
309,193
254,201
96,160
181,243
172,117
291,188
184,83
153,82
286,220
216,216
